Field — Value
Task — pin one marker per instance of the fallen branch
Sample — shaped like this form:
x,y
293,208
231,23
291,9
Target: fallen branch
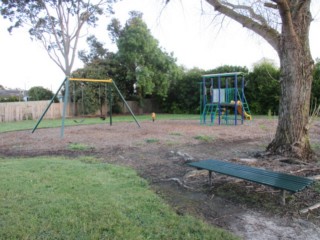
x,y
179,182
315,206
305,169
196,173
300,170
291,161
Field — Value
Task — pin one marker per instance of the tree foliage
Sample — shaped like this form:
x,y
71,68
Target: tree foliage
x,y
147,66
56,24
40,93
316,85
100,63
184,93
183,96
263,88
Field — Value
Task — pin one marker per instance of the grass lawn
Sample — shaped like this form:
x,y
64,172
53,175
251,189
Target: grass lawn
x,y
57,198
29,124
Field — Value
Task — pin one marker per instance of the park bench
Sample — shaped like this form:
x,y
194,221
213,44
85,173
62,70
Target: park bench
x,y
284,182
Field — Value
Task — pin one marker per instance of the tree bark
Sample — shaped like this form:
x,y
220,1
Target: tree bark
x,y
292,135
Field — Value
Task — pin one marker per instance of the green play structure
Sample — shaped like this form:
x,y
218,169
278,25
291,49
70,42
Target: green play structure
x,y
222,99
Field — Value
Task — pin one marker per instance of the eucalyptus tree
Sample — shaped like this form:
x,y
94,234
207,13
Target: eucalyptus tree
x,y
57,24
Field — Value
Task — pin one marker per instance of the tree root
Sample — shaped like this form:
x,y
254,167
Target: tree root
x,y
179,182
306,210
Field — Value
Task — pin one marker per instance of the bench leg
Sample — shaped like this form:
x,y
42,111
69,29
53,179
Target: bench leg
x,y
210,178
283,197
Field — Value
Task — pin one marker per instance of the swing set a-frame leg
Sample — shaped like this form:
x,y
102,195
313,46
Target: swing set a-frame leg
x,y
125,102
50,103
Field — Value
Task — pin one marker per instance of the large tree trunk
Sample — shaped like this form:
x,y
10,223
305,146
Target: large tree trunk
x,y
292,137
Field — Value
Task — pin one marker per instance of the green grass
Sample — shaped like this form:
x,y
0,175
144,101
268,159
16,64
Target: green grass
x,y
152,140
29,124
316,186
54,198
204,138
176,134
78,147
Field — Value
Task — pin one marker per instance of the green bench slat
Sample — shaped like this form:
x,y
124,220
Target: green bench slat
x,y
274,179
258,170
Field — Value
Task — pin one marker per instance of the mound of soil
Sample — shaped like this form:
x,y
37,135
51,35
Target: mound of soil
x,y
159,152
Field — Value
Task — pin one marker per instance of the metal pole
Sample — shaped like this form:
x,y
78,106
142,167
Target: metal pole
x,y
211,100
110,105
219,95
74,101
201,107
242,98
45,111
235,98
204,94
227,100
65,103
128,107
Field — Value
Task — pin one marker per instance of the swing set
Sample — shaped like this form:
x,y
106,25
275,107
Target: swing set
x,y
66,83
81,103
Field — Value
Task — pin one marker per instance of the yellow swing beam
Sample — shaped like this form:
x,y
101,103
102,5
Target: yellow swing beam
x,y
91,80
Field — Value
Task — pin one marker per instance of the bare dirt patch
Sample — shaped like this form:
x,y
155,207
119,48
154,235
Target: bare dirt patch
x,y
159,152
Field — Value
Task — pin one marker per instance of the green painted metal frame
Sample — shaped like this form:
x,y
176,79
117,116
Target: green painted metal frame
x,y
65,101
278,180
236,92
284,182
46,110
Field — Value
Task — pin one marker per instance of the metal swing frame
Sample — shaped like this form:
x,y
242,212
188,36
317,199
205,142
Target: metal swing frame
x,y
66,83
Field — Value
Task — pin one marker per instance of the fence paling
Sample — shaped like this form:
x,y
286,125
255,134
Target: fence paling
x,y
18,111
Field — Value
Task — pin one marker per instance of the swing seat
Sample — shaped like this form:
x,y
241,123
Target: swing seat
x,y
79,121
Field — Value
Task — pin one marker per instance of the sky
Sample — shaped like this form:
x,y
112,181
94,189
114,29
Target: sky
x,y
185,28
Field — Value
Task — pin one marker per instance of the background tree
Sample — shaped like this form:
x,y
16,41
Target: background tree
x,y
40,93
99,63
183,95
316,85
263,88
56,24
148,67
285,25
184,92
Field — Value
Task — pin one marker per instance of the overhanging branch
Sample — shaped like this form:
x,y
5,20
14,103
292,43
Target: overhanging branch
x,y
270,34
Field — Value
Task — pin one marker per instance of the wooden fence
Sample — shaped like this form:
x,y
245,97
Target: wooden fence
x,y
18,111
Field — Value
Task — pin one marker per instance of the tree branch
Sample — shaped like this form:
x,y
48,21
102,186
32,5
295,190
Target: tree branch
x,y
285,14
271,5
252,13
271,35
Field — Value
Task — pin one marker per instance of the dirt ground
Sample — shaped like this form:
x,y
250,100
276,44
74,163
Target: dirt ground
x,y
159,152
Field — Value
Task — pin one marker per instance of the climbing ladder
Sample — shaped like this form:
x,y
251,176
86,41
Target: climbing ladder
x,y
210,110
